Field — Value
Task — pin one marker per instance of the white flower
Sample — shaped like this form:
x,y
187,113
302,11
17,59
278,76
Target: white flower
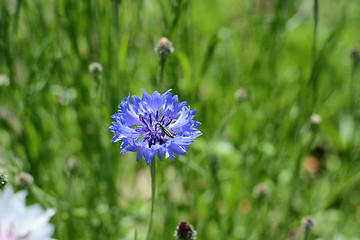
x,y
19,222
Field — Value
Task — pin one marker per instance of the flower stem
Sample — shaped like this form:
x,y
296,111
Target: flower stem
x,y
153,194
307,234
161,73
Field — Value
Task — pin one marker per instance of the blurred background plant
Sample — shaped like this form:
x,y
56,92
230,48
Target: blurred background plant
x,y
262,163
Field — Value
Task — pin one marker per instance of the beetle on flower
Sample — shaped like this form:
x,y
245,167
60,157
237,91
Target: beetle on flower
x,y
154,125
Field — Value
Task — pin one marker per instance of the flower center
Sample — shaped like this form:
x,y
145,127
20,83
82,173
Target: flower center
x,y
155,128
8,235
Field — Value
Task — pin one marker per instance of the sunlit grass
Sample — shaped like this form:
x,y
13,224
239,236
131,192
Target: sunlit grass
x,y
55,114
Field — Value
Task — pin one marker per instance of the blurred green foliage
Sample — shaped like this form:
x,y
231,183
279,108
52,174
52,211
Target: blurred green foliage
x,y
55,114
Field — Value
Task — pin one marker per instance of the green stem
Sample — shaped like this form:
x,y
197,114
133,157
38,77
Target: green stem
x,y
316,14
307,234
118,82
314,52
153,194
161,73
70,225
296,173
353,88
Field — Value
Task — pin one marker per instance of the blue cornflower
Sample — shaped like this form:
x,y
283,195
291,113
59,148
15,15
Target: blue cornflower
x,y
154,125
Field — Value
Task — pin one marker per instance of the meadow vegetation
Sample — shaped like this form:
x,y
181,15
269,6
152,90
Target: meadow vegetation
x,y
275,88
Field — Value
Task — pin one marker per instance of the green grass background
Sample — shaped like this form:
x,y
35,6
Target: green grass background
x,y
55,110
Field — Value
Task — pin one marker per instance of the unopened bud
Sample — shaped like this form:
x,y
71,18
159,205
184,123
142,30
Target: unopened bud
x,y
261,190
95,68
308,223
3,179
73,164
315,119
241,94
24,180
164,47
184,231
4,80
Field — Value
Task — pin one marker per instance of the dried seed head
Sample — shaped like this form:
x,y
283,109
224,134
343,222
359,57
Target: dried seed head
x,y
95,68
241,94
308,223
164,47
3,179
24,180
4,80
184,231
315,119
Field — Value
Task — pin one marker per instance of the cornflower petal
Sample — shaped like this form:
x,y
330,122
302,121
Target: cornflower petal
x,y
156,124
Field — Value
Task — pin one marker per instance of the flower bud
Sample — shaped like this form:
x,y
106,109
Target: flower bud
x,y
164,47
308,223
3,179
315,119
73,164
261,190
4,80
24,180
241,94
184,231
95,68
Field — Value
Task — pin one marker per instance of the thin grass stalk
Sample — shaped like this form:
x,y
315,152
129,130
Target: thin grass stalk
x,y
17,16
353,87
296,173
314,51
316,19
70,226
117,80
